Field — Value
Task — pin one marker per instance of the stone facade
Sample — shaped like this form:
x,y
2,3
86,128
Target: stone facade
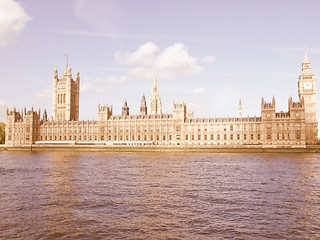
x,y
295,128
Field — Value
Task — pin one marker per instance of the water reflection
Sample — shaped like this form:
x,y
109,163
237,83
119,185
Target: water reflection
x,y
305,198
61,194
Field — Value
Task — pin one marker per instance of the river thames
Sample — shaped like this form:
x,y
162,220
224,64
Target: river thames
x,y
84,195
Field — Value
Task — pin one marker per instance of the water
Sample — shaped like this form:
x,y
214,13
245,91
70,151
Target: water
x,y
77,195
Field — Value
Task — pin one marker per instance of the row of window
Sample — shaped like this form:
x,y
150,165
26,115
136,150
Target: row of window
x,y
170,137
284,136
164,128
283,126
90,130
153,138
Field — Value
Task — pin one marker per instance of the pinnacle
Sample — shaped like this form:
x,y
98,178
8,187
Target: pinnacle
x,y
305,60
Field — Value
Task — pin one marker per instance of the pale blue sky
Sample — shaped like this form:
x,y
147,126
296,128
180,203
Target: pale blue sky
x,y
208,53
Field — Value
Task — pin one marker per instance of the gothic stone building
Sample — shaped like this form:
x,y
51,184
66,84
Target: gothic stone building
x,y
295,128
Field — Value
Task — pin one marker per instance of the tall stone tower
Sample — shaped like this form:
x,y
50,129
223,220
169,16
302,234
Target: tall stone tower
x,y
65,104
154,105
307,91
240,108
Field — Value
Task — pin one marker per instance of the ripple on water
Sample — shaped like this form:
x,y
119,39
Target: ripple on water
x,y
65,195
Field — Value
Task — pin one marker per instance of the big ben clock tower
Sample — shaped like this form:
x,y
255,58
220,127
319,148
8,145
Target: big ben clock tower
x,y
307,91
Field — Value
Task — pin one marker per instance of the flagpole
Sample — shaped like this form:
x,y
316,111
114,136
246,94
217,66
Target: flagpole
x,y
67,60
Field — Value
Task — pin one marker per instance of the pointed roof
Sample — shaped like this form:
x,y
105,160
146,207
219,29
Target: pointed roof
x,y
305,59
154,104
306,67
155,86
143,98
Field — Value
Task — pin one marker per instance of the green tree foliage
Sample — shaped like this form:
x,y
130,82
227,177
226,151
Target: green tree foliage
x,y
2,133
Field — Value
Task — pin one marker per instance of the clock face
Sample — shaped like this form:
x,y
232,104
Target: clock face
x,y
307,85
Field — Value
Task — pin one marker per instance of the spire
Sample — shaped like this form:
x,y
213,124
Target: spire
x,y
154,105
305,60
273,101
143,106
155,86
306,68
240,108
45,116
78,73
55,71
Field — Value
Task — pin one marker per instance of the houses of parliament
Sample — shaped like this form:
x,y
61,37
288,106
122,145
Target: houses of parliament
x,y
295,128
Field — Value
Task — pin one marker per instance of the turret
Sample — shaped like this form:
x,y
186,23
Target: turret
x,y
45,116
143,106
55,72
68,72
273,102
289,102
179,111
125,109
104,112
78,75
268,109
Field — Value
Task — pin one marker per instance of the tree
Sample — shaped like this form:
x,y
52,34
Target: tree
x,y
2,132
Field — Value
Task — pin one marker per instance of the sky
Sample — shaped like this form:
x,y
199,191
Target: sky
x,y
207,53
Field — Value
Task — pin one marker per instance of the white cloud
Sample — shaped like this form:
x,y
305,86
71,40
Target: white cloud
x,y
13,19
176,59
101,90
114,79
44,94
209,58
145,55
191,107
99,80
85,87
79,6
100,14
196,91
141,73
168,63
